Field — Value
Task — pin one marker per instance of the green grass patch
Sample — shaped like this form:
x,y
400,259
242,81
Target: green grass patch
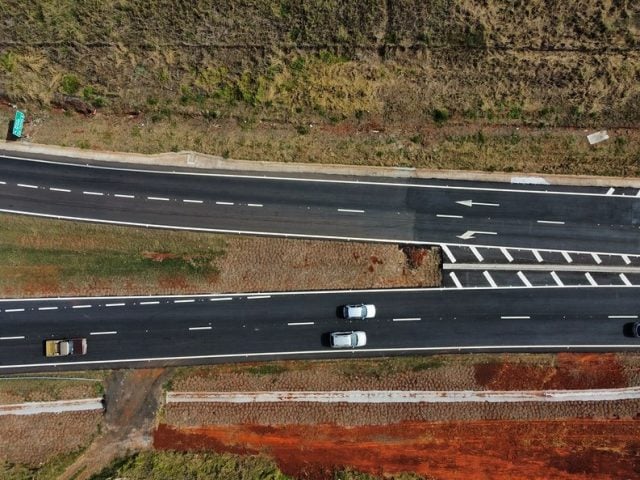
x,y
52,386
49,470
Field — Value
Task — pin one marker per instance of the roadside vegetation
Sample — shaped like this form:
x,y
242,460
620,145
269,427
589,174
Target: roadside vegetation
x,y
438,84
52,386
51,469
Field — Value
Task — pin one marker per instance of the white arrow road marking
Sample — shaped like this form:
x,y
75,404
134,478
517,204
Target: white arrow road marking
x,y
471,203
469,234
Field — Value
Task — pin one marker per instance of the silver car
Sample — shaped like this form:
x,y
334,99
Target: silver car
x,y
359,311
347,339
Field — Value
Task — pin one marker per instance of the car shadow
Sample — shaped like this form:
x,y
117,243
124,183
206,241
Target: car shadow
x,y
627,330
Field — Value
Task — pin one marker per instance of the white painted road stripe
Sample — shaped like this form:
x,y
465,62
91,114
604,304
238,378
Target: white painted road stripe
x,y
295,324
610,191
626,259
191,300
446,250
26,185
149,303
506,254
524,279
476,253
13,338
516,317
111,332
254,205
161,199
115,305
258,296
349,210
623,316
65,190
551,222
441,215
567,257
596,257
487,275
625,280
99,194
591,280
11,310
199,328
82,306
220,299
454,277
47,308
224,203
120,195
192,201
4,183
414,319
555,277
538,256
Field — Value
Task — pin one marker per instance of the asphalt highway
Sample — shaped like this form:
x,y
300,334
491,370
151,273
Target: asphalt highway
x,y
138,331
455,213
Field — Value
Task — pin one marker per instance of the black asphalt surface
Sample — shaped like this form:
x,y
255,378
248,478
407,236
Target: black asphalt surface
x,y
245,328
415,211
296,325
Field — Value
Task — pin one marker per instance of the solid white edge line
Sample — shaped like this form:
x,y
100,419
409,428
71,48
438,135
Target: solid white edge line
x,y
54,189
591,280
441,215
476,253
567,257
121,195
556,278
506,254
524,279
280,234
487,275
623,316
99,194
189,300
625,280
13,310
314,180
454,277
295,324
328,351
81,306
536,254
110,304
256,297
597,258
26,185
192,329
17,337
162,199
47,308
515,317
550,222
110,332
156,302
349,210
409,319
192,201
448,253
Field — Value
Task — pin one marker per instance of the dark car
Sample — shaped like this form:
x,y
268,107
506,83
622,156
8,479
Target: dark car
x,y
635,329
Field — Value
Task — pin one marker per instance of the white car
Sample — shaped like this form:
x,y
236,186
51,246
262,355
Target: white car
x,y
359,311
348,339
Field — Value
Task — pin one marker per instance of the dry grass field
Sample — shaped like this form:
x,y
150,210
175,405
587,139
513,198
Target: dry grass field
x,y
494,85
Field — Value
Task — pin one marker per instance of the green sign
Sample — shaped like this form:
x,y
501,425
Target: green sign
x,y
18,123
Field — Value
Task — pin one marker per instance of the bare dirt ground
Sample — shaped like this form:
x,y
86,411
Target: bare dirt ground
x,y
576,449
132,400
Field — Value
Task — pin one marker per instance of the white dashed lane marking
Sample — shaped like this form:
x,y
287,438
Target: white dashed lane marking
x,y
64,190
192,201
199,328
48,308
224,299
224,203
350,210
256,297
122,195
623,316
82,306
254,205
442,215
411,319
149,303
296,324
17,337
26,185
115,305
161,199
184,301
99,194
516,317
111,332
13,310
551,222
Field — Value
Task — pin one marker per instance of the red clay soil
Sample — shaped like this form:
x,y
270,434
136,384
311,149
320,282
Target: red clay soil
x,y
496,450
572,371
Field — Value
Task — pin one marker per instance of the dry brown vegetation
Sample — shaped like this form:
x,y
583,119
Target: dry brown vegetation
x,y
441,83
